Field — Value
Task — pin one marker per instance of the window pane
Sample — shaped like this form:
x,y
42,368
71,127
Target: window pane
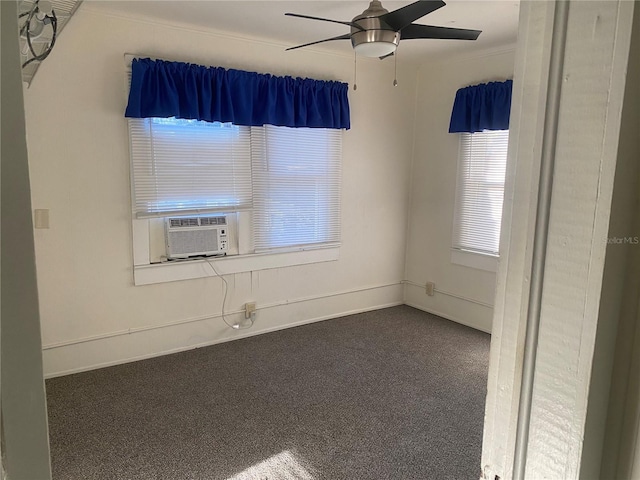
x,y
189,165
480,191
296,175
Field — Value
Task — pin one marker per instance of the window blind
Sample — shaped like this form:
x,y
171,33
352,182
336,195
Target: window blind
x,y
189,166
480,191
297,182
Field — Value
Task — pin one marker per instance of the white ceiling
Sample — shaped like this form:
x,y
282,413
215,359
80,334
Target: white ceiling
x,y
498,20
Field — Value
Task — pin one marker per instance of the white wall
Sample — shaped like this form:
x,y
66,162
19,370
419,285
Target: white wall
x,y
92,315
433,194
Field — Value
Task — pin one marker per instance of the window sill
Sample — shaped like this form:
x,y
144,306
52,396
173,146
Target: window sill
x,y
478,261
172,272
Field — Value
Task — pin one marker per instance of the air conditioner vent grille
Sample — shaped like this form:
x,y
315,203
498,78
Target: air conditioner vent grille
x,y
183,222
213,221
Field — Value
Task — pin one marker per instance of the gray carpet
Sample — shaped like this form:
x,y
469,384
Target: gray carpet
x,y
390,394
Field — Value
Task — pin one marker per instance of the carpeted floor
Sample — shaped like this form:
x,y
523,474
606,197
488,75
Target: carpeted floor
x,y
390,394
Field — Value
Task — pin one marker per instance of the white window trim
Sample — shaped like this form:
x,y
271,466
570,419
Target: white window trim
x,y
147,273
469,258
171,272
479,261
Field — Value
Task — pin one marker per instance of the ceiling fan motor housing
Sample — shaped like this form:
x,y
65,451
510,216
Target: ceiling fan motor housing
x,y
377,39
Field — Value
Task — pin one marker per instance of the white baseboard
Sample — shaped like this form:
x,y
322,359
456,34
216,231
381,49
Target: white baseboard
x,y
123,347
457,309
450,317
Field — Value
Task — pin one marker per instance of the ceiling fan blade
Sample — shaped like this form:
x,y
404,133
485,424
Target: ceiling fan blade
x,y
402,17
346,36
350,24
428,31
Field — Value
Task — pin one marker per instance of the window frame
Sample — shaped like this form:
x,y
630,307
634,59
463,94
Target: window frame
x,y
154,160
475,258
147,269
274,171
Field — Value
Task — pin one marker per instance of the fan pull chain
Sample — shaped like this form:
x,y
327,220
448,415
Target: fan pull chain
x,y
395,69
355,71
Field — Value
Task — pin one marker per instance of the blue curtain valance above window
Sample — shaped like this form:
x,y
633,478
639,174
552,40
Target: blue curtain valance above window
x,y
183,90
482,107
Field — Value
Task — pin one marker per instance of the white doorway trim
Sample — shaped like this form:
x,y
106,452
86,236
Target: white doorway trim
x,y
589,111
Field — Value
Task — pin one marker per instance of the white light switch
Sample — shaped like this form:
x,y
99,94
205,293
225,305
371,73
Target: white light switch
x,y
41,218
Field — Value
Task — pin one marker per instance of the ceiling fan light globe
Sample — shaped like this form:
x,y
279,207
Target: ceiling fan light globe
x,y
375,49
375,42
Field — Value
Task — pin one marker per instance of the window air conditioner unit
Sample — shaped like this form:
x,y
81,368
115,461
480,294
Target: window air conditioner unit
x,y
196,236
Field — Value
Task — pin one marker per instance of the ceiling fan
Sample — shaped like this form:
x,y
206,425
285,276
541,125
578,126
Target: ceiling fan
x,y
376,32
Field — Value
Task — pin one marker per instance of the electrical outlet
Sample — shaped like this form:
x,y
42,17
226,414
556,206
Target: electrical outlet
x,y
249,309
430,288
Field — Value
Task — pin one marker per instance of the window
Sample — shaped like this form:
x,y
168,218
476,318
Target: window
x,y
287,179
480,191
188,166
296,179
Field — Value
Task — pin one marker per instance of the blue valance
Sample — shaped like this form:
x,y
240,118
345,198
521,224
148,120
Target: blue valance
x,y
482,107
183,90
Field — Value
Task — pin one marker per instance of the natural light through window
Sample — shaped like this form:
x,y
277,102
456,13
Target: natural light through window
x,y
189,165
283,466
296,186
287,179
480,191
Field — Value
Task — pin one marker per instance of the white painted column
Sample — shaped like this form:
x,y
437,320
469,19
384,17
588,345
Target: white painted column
x,y
25,441
563,323
516,244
